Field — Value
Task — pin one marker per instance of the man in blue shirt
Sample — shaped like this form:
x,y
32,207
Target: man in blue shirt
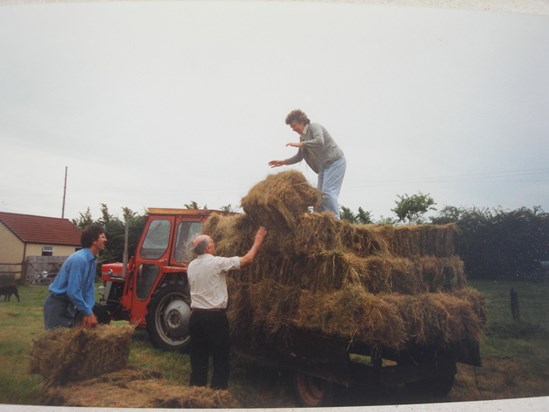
x,y
72,293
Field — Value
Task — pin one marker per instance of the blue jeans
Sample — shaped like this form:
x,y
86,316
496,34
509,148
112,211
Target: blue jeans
x,y
330,180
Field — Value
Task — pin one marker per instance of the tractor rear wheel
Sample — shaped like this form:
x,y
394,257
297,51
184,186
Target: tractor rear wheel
x,y
312,391
168,315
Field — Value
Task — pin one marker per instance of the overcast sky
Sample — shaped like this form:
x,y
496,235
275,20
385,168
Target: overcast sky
x,y
156,104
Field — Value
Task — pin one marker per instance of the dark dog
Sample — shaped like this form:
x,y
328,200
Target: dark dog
x,y
7,291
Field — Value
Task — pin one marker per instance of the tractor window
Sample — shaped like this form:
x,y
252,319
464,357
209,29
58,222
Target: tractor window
x,y
186,232
146,276
157,240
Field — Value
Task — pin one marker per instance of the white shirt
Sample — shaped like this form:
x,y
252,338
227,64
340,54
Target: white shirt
x,y
207,280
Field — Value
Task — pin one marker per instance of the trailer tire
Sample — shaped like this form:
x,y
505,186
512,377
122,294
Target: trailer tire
x,y
312,391
168,316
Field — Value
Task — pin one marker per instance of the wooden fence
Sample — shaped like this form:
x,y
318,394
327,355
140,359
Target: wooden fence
x,y
36,265
10,273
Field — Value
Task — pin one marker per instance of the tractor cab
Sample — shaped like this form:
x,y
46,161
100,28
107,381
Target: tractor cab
x,y
153,290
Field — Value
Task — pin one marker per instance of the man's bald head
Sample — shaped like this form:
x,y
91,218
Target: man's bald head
x,y
201,243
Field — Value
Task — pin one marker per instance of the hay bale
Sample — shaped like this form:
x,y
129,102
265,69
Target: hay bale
x,y
418,240
233,234
442,274
351,314
391,320
333,270
477,302
135,388
319,232
437,318
277,201
377,284
65,355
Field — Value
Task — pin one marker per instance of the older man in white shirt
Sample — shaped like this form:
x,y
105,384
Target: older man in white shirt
x,y
209,327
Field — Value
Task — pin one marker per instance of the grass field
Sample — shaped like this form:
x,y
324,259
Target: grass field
x,y
515,354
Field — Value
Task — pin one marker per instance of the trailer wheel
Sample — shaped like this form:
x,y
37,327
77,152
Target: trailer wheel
x,y
168,316
312,391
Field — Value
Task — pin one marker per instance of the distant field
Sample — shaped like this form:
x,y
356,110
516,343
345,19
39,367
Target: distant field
x,y
515,355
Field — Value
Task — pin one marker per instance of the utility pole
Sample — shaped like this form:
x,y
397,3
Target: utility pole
x,y
64,194
127,216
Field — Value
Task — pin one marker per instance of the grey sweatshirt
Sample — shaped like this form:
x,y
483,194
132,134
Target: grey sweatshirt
x,y
319,149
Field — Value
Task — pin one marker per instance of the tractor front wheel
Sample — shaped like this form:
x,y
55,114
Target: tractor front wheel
x,y
168,316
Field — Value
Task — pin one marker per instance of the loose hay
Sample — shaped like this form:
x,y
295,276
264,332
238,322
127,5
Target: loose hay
x,y
136,388
64,355
278,200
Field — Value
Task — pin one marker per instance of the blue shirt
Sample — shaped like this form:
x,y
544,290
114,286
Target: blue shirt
x,y
76,280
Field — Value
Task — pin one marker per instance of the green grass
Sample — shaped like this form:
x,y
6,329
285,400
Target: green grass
x,y
515,354
19,323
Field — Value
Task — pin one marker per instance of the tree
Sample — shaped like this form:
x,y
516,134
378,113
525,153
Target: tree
x,y
364,217
106,217
391,221
85,219
228,208
500,244
361,217
115,231
347,214
194,205
412,208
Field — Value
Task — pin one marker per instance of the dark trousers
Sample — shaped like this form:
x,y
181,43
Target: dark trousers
x,y
59,311
209,332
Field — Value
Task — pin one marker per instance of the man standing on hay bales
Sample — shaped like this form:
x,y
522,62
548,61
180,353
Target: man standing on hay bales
x,y
321,153
72,294
208,326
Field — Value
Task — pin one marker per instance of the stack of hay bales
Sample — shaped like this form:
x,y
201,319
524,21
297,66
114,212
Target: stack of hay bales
x,y
88,367
377,284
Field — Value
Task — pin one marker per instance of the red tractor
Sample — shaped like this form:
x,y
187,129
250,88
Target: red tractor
x,y
153,291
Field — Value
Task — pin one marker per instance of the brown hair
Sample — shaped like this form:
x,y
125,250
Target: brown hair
x,y
90,234
297,116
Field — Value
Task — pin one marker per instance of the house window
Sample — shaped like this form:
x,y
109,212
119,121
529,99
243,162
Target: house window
x,y
47,251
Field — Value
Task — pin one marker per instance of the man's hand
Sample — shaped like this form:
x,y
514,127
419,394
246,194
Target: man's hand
x,y
276,163
249,257
89,321
294,144
260,235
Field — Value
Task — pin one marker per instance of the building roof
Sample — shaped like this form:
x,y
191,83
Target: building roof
x,y
42,229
